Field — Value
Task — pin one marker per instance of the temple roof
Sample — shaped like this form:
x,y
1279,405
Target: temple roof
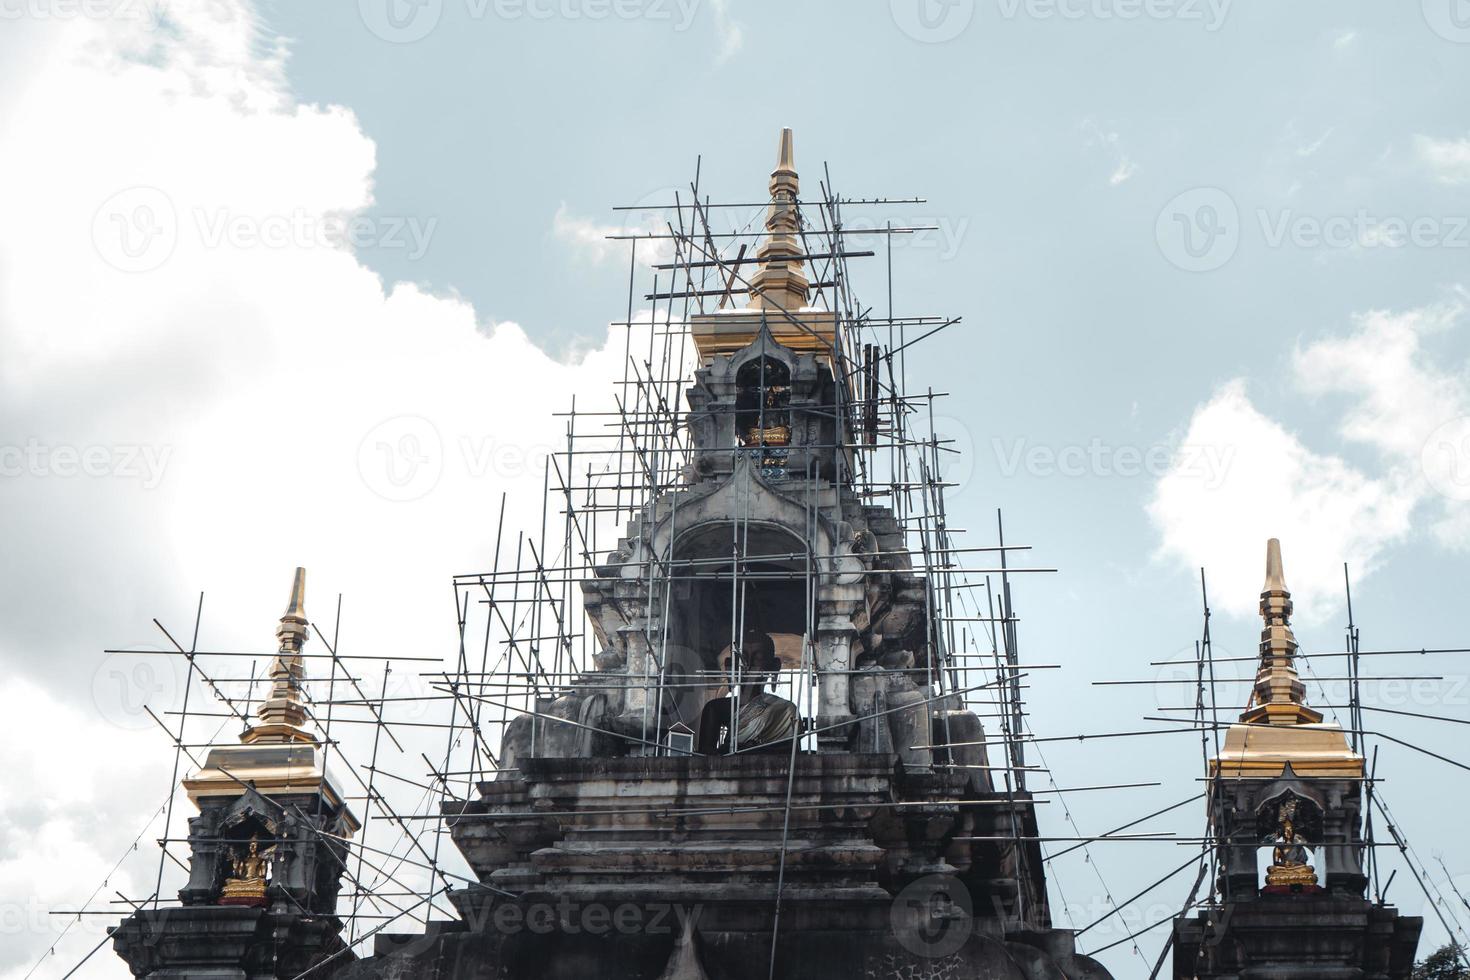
x,y
779,289
1278,728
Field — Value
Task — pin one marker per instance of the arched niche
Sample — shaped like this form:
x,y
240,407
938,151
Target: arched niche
x,y
763,402
715,597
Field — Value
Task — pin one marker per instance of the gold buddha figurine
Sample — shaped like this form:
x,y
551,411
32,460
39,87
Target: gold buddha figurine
x,y
1289,858
247,886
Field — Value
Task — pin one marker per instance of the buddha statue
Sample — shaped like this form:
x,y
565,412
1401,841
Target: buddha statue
x,y
764,719
247,885
1289,865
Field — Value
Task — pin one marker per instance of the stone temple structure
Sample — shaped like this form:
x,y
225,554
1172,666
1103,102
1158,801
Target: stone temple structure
x,y
670,814
1288,784
266,852
665,815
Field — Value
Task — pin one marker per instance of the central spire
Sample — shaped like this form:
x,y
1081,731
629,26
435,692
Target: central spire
x,y
780,282
1279,697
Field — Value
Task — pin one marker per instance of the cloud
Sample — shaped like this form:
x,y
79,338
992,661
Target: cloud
x,y
730,31
1398,396
1323,509
1123,166
1447,159
63,825
1391,397
584,235
1310,149
594,242
201,388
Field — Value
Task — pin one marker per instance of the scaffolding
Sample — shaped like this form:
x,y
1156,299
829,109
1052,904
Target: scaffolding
x,y
414,733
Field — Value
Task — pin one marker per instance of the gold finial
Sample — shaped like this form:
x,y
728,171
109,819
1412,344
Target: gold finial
x,y
779,281
1279,696
297,607
1275,577
283,713
785,154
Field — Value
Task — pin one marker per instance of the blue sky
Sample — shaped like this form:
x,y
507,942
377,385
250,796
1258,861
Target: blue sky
x,y
1220,248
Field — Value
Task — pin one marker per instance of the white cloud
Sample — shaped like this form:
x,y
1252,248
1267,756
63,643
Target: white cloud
x,y
78,792
294,410
1399,403
1310,149
1447,159
1123,165
591,240
1324,510
584,235
732,34
1399,397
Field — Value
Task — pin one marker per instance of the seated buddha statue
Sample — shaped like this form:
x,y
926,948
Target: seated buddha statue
x,y
1289,858
764,719
247,885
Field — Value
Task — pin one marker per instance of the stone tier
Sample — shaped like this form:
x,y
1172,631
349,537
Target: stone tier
x,y
1288,937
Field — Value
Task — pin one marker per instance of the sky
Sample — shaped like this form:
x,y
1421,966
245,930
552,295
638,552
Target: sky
x,y
302,284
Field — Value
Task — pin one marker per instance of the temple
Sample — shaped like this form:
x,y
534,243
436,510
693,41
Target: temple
x,y
266,850
1288,785
734,731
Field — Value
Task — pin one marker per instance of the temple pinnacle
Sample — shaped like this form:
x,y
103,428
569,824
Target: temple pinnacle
x,y
780,282
1279,697
283,713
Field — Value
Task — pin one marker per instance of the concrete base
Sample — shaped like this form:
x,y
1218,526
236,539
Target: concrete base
x,y
1292,937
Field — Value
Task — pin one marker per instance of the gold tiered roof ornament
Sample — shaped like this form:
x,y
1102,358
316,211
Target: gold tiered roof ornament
x,y
1278,729
278,755
283,713
779,289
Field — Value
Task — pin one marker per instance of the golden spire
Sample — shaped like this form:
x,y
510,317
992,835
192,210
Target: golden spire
x,y
283,713
1279,697
779,281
